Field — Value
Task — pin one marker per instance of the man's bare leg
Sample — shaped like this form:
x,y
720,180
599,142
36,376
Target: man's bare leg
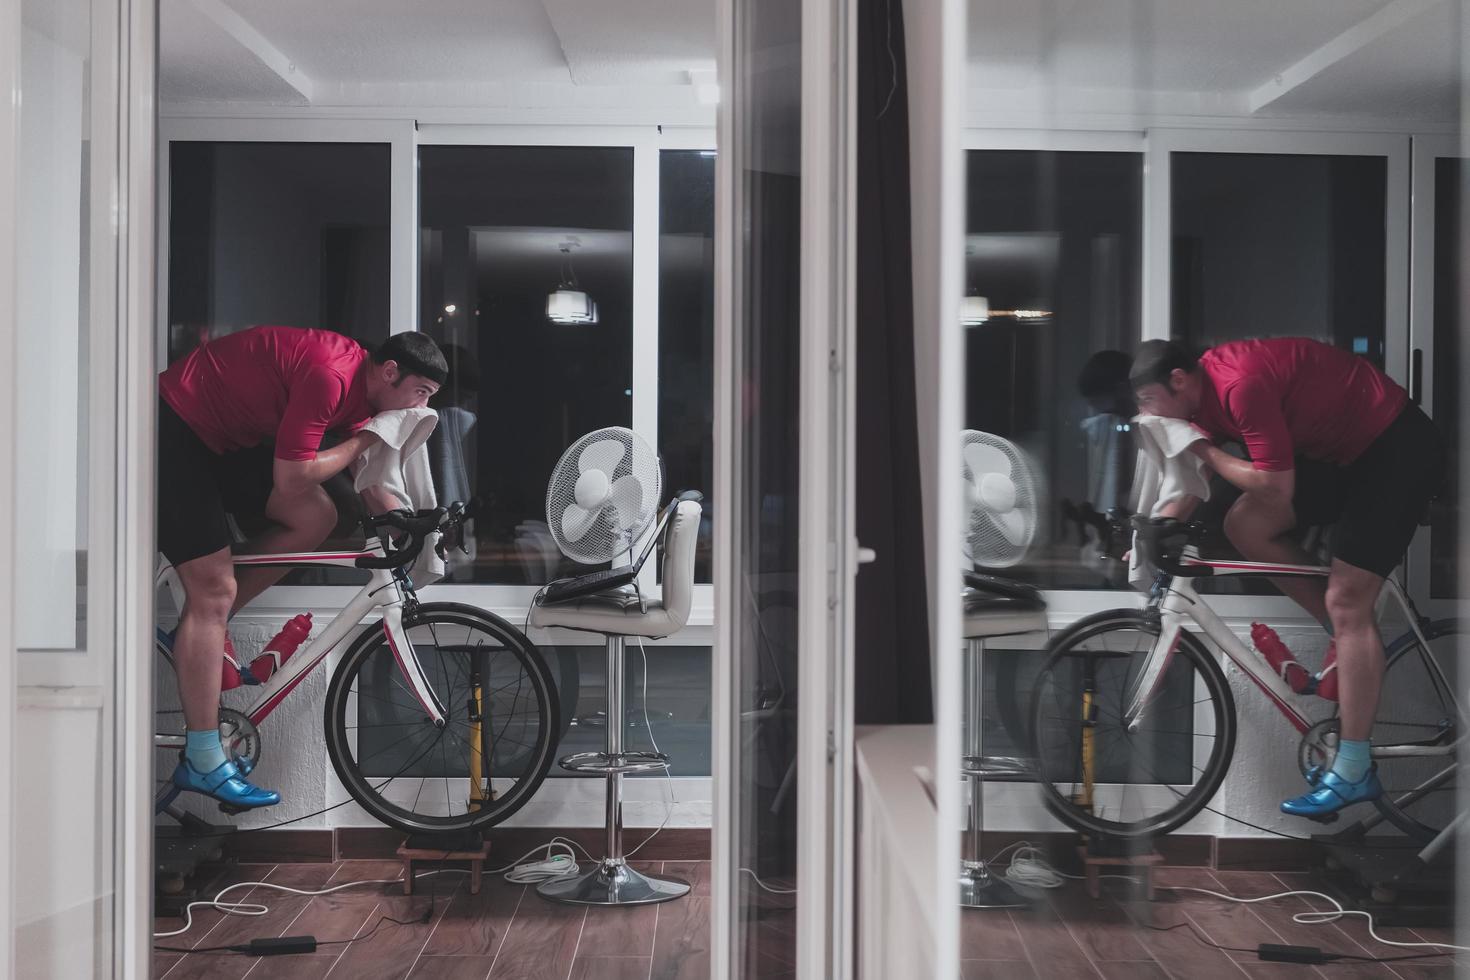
x,y
1260,531
209,591
302,521
1352,593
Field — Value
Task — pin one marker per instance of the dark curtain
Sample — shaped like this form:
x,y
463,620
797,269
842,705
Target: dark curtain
x,y
892,614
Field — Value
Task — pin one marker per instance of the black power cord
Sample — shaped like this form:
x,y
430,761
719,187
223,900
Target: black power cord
x,y
1275,952
272,946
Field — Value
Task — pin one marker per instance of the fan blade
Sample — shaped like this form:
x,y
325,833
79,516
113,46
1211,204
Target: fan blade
x,y
604,455
997,493
576,522
984,458
626,500
1013,525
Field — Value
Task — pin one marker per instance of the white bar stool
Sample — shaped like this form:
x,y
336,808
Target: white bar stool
x,y
617,616
993,607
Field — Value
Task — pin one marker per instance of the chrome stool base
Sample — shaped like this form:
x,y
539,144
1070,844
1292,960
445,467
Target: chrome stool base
x,y
612,883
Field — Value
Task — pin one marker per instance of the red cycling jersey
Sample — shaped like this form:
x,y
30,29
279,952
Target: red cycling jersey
x,y
1293,396
270,383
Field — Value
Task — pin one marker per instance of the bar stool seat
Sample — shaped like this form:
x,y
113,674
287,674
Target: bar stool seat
x,y
618,615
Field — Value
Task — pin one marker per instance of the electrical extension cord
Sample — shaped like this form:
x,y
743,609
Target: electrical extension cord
x,y
1028,867
254,909
1317,918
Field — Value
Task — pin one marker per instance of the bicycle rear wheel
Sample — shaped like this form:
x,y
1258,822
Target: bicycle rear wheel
x,y
1417,712
493,752
1097,775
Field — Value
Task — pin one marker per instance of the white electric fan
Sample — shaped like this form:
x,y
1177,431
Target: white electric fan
x,y
603,494
1002,500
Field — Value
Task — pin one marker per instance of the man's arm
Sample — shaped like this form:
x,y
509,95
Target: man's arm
x,y
293,476
378,501
1273,484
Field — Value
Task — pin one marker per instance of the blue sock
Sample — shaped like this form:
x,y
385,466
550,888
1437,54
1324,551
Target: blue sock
x,y
204,751
1353,759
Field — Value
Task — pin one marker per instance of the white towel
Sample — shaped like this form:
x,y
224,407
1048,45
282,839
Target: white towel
x,y
1165,472
400,465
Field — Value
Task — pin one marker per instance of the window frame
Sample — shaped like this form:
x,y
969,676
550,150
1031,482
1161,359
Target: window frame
x,y
404,135
1426,151
1066,606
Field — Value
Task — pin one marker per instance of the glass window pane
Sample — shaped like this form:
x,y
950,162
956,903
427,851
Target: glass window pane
x,y
54,282
495,221
678,703
1449,176
295,234
1279,245
686,330
1272,245
1059,233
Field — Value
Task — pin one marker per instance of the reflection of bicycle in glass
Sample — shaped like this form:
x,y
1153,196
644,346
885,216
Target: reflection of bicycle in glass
x,y
440,717
1134,723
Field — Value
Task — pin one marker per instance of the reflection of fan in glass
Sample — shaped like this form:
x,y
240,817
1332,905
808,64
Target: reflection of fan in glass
x,y
1001,500
603,494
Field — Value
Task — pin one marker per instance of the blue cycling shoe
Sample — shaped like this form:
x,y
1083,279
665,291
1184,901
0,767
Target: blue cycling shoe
x,y
225,784
1332,794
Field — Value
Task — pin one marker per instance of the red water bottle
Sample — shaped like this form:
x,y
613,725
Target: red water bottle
x,y
1280,658
279,650
230,668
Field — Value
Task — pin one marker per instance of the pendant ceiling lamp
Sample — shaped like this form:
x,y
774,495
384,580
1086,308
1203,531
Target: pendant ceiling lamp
x,y
568,303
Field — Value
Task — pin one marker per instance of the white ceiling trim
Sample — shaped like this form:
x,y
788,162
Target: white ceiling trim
x,y
256,43
1355,38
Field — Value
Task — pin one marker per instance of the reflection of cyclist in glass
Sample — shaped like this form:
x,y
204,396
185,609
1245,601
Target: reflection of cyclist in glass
x,y
1291,401
220,405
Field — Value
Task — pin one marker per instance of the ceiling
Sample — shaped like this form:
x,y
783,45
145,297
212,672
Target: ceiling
x,y
1366,58
431,52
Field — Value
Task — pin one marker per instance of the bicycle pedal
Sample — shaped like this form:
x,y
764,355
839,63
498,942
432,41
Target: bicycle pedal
x,y
230,809
1324,818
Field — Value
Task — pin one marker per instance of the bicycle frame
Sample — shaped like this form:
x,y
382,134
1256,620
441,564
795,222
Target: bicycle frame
x,y
384,592
1180,603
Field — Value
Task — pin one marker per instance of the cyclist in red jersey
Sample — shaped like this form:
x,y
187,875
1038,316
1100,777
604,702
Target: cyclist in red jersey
x,y
241,421
1331,440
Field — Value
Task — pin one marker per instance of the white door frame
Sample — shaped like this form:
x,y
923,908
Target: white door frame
x,y
10,13
827,552
137,396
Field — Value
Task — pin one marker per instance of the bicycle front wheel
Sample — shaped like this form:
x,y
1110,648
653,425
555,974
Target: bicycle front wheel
x,y
503,719
1102,776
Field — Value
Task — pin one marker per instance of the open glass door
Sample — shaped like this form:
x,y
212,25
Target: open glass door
x,y
784,541
76,198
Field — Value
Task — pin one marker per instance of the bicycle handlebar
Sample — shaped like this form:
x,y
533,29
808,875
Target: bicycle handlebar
x,y
417,525
1163,540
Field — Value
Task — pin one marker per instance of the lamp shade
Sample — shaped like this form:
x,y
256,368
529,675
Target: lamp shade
x,y
570,306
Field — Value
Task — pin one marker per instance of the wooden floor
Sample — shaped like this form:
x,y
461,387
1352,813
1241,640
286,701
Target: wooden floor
x,y
509,932
1069,934
506,931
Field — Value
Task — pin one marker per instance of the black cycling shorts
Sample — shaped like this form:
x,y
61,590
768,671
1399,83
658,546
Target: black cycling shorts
x,y
197,487
1377,501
